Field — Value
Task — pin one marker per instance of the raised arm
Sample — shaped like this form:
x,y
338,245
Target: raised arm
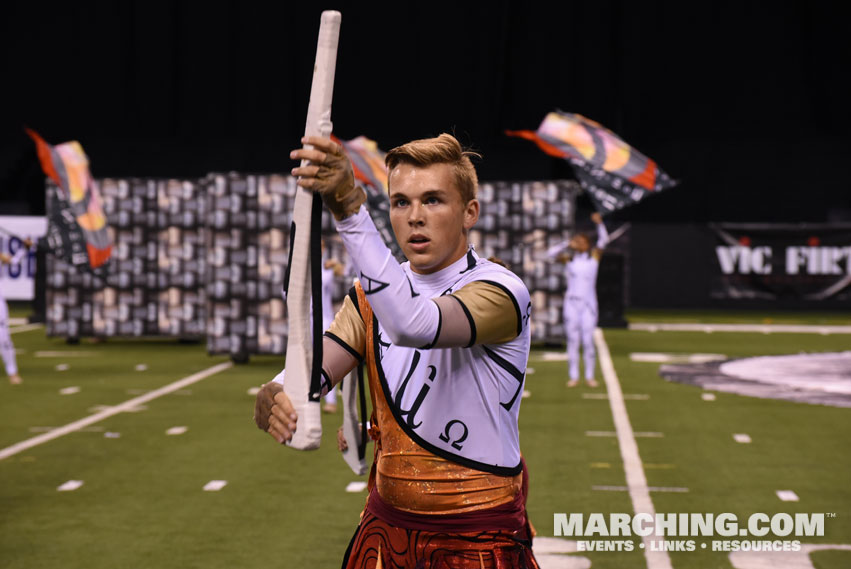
x,y
602,234
555,253
410,319
19,254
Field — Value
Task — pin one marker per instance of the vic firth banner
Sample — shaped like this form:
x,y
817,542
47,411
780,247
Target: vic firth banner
x,y
801,264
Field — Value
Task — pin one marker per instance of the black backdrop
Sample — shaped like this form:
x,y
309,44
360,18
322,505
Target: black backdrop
x,y
741,101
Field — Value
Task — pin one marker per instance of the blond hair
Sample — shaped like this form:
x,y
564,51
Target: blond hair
x,y
444,149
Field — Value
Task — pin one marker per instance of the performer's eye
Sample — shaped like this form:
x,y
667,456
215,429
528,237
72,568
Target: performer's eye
x,y
400,202
432,200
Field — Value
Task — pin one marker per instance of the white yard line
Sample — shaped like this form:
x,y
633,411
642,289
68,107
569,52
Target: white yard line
x,y
759,328
128,405
215,485
653,357
787,496
636,481
635,396
24,328
650,488
650,434
70,486
64,354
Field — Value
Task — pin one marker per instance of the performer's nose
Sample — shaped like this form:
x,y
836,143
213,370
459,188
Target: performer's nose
x,y
415,214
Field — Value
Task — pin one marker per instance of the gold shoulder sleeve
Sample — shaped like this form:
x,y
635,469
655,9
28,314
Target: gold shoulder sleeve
x,y
348,329
492,313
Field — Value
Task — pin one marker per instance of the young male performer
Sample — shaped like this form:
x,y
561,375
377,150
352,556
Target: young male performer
x,y
446,339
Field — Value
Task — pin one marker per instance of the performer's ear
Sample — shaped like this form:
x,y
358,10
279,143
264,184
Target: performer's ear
x,y
471,214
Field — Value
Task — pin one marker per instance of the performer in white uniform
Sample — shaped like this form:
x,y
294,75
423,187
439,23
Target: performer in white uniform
x,y
446,338
580,299
7,348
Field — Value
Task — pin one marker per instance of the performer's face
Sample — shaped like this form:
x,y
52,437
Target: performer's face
x,y
429,216
580,243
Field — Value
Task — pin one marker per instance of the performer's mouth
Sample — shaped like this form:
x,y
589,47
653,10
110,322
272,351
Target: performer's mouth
x,y
419,243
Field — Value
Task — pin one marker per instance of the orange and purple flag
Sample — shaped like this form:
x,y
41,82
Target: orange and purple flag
x,y
613,173
77,230
367,161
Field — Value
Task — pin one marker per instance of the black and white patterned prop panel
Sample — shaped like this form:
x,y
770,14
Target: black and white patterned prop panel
x,y
209,257
126,305
232,259
275,202
501,221
68,290
252,319
151,284
181,259
69,300
550,208
519,221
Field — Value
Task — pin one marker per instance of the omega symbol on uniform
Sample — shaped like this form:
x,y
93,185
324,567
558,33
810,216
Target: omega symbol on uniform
x,y
447,433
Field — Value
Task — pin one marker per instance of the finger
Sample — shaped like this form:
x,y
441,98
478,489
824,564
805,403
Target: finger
x,y
275,430
283,403
308,171
310,154
309,183
324,144
280,435
279,416
275,434
281,431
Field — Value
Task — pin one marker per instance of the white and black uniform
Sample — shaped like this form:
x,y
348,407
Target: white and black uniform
x,y
580,306
463,402
7,348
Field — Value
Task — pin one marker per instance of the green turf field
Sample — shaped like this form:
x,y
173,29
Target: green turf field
x,y
739,317
142,503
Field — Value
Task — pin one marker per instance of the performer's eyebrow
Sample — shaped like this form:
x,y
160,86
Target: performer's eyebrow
x,y
437,193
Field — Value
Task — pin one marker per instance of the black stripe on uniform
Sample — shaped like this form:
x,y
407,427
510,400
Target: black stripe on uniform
x,y
469,319
326,381
513,301
353,295
509,367
436,336
344,345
